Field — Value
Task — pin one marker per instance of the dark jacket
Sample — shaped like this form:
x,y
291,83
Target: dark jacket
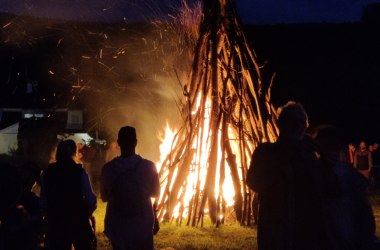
x,y
66,204
286,176
271,175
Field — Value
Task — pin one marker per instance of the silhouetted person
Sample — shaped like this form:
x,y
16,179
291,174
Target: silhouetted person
x,y
21,220
349,213
127,184
376,165
12,217
29,173
68,201
376,155
10,188
285,176
363,160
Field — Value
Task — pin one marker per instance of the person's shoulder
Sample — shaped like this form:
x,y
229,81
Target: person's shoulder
x,y
51,165
107,167
263,151
351,176
78,167
265,147
50,168
147,163
110,163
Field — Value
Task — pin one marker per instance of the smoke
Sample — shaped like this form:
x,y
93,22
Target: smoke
x,y
147,106
118,73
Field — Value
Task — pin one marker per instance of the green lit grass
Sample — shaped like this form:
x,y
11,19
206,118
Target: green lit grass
x,y
208,237
375,201
176,237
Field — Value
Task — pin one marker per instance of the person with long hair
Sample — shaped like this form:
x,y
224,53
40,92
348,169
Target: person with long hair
x,y
67,201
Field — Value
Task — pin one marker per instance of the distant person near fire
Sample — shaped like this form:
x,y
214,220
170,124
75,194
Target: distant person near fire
x,y
363,160
350,217
128,183
351,153
112,152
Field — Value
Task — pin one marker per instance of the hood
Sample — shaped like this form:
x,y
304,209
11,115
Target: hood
x,y
121,164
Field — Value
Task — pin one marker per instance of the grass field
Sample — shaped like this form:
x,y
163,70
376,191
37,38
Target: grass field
x,y
225,237
176,237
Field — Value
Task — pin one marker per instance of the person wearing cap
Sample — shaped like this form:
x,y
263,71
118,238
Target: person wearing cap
x,y
127,184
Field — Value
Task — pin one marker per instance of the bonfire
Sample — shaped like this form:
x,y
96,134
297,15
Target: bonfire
x,y
226,112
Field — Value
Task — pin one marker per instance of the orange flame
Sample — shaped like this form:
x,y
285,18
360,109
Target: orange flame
x,y
199,164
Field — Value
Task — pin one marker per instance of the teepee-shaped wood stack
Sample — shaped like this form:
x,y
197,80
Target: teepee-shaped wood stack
x,y
227,113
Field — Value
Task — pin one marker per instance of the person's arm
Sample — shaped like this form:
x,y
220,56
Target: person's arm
x,y
258,170
155,191
104,184
351,154
89,196
43,199
43,204
370,160
355,159
250,175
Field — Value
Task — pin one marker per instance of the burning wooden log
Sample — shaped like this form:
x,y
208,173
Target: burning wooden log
x,y
226,114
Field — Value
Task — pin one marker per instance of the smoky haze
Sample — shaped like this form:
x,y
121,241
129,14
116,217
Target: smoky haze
x,y
119,74
137,86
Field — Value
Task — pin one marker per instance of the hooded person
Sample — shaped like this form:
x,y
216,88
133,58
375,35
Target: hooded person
x,y
128,183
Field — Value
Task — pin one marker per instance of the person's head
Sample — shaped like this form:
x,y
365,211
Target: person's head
x,y
127,139
332,144
66,150
330,139
375,146
292,121
362,145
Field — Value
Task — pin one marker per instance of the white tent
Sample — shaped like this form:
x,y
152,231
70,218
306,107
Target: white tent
x,y
8,138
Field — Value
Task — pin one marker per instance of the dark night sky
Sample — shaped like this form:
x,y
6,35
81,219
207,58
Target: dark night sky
x,y
353,101
301,11
251,11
